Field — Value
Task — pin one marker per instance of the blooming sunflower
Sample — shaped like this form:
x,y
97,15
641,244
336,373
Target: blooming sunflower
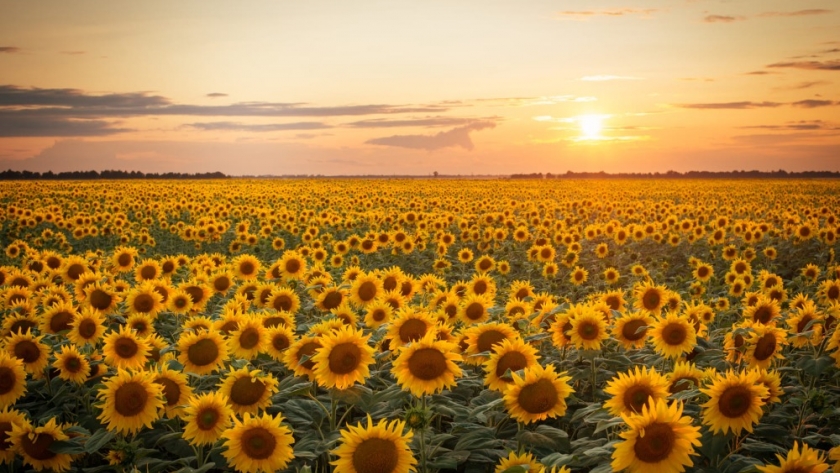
x,y
248,391
176,390
343,359
123,258
630,391
147,270
246,266
473,309
773,382
12,380
278,339
658,439
202,352
179,302
764,345
71,365
588,329
249,339
291,265
283,299
804,460
101,297
29,349
539,394
258,443
221,281
378,313
33,444
124,349
806,325
365,289
379,448
298,356
632,330
144,299
684,376
130,401
764,311
206,417
650,298
409,326
87,327
521,460
57,318
673,335
9,418
427,365
511,354
735,401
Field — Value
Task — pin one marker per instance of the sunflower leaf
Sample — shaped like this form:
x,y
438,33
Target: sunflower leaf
x,y
99,439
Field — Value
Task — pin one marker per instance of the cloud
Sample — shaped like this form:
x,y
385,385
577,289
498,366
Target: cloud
x,y
729,105
235,126
796,13
814,103
214,95
309,136
9,49
602,78
608,12
803,85
723,18
809,65
759,73
456,137
801,125
73,53
30,127
17,96
434,121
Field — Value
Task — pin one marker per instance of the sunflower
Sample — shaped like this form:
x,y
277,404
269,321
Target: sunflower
x,y
806,326
87,327
614,300
650,298
658,439
73,267
123,258
330,298
735,401
365,289
246,266
258,444
343,359
9,418
804,460
630,391
206,417
57,318
101,297
71,365
632,330
673,335
144,299
588,329
248,391
578,276
249,339
147,270
427,365
764,345
684,376
291,265
473,309
12,381
764,311
773,382
483,337
130,401
176,390
198,292
28,348
221,281
284,299
511,354
379,448
124,349
179,302
278,339
408,326
298,357
203,352
517,309
537,395
378,313
18,322
611,275
33,444
525,461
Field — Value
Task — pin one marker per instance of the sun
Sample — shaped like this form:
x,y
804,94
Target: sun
x,y
591,126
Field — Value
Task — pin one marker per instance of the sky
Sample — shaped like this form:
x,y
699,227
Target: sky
x,y
399,87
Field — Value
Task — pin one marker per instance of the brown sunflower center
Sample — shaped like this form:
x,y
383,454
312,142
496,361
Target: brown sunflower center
x,y
635,397
538,397
171,390
485,264
203,352
249,338
656,444
367,291
763,314
765,347
332,300
375,455
613,302
282,302
412,330
100,300
513,361
489,338
522,293
735,401
651,299
681,384
247,268
124,259
39,449
427,364
480,287
389,283
247,391
207,418
72,365
168,267
221,283
195,293
126,347
474,311
27,351
631,331
22,326
378,315
451,310
308,349
292,266
588,330
143,303
130,399
833,293
674,334
804,322
87,328
280,341
148,272
702,271
8,379
61,321
75,270
344,358
179,302
258,443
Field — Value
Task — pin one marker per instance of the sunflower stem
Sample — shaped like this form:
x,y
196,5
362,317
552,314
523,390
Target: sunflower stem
x,y
423,468
593,379
199,455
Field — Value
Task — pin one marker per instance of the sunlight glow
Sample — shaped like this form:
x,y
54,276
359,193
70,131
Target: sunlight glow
x,y
591,126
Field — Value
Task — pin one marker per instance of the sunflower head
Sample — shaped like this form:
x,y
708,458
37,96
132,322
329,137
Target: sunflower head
x,y
258,443
375,448
537,395
735,401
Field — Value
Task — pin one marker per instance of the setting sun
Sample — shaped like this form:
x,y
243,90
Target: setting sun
x,y
591,126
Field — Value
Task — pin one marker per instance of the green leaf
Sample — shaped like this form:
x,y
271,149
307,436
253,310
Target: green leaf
x,y
99,439
72,447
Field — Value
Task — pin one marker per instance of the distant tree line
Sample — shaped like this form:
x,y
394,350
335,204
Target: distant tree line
x,y
10,175
780,174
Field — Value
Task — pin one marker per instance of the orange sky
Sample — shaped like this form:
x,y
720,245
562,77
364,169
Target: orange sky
x,y
458,87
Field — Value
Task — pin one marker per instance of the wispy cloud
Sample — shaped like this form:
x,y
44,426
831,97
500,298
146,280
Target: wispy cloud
x,y
723,18
744,105
456,137
759,73
9,49
801,125
815,11
607,77
31,127
607,12
814,103
435,121
809,65
803,85
235,126
73,53
215,95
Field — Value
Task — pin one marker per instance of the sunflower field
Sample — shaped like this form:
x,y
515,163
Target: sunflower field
x,y
433,326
